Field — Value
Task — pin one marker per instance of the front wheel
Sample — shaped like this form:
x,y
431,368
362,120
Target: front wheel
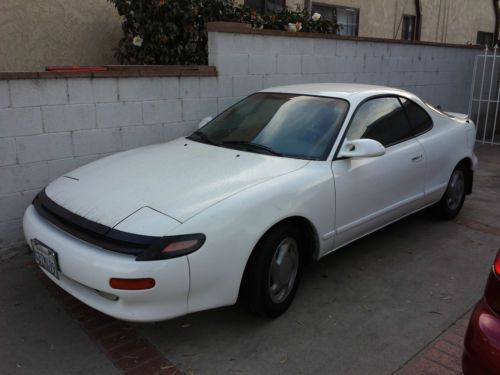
x,y
450,204
273,272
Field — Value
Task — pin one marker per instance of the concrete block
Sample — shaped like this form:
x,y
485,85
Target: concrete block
x,y
23,177
33,92
324,47
7,151
289,64
372,64
352,64
265,44
97,141
119,114
34,148
131,89
11,234
375,49
161,111
4,94
346,77
88,90
189,87
225,103
175,130
60,167
246,85
12,206
300,46
196,109
231,64
317,64
346,48
262,64
68,117
208,87
224,86
137,136
20,121
396,79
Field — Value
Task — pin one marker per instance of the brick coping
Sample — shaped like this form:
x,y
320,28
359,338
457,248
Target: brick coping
x,y
115,71
242,28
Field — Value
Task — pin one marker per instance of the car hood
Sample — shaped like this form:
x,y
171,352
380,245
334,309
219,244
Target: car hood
x,y
179,179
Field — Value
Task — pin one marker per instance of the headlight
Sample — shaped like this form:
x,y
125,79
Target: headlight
x,y
173,246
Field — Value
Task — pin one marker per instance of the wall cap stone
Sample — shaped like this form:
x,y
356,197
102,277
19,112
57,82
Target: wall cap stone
x,y
114,71
243,28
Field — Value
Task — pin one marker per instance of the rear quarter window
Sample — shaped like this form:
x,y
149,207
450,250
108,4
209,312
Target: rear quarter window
x,y
419,119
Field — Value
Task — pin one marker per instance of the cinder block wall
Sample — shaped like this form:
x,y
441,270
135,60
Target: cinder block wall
x,y
51,126
441,75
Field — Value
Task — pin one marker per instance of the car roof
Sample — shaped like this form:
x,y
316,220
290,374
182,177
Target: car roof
x,y
350,91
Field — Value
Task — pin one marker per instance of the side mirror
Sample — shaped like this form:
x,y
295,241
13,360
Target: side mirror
x,y
204,121
361,148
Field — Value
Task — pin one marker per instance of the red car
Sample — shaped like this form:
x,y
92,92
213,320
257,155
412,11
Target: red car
x,y
482,340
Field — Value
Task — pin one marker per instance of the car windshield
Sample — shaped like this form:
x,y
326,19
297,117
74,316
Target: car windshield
x,y
298,126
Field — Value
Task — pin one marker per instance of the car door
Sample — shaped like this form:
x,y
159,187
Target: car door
x,y
373,191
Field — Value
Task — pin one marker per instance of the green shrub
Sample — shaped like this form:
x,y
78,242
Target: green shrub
x,y
174,31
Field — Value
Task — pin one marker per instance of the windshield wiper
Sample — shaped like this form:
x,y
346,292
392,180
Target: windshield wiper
x,y
203,137
255,146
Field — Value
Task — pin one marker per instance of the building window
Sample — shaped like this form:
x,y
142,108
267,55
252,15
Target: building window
x,y
346,17
484,38
265,5
408,30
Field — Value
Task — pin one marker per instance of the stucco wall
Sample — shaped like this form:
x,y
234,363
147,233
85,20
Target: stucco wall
x,y
51,126
36,34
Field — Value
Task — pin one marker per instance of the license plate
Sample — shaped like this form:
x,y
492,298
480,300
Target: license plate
x,y
45,257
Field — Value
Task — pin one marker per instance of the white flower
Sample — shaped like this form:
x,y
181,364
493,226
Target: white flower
x,y
294,27
315,17
137,41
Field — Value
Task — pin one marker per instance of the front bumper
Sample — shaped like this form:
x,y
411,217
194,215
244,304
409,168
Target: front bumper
x,y
85,270
482,342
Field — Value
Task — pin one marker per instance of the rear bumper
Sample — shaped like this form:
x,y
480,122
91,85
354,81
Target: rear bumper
x,y
482,342
86,269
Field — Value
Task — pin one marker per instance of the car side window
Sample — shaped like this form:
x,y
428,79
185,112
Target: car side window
x,y
420,121
381,119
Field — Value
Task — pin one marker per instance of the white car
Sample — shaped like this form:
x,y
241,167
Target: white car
x,y
235,210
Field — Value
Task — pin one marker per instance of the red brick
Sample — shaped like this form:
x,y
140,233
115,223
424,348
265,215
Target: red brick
x,y
444,359
122,337
449,349
454,339
128,349
431,368
114,328
137,359
157,366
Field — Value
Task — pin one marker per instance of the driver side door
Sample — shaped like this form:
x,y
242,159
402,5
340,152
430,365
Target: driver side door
x,y
371,192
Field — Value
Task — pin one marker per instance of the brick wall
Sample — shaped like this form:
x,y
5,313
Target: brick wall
x,y
51,126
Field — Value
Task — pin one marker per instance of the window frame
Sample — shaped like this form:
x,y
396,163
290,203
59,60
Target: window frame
x,y
336,7
414,19
484,34
397,96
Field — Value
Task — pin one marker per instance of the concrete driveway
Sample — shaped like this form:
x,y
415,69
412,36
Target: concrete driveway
x,y
369,308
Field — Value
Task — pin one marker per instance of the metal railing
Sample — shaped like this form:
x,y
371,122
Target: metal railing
x,y
485,96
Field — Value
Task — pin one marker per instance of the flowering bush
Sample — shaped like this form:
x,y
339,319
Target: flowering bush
x,y
174,31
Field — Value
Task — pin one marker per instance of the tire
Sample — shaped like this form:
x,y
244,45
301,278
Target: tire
x,y
273,271
453,199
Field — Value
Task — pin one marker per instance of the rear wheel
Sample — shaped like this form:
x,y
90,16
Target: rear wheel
x,y
450,204
273,272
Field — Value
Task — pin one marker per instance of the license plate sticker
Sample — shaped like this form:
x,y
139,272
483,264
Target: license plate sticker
x,y
45,257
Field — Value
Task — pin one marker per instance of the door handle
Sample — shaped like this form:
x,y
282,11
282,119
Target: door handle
x,y
417,157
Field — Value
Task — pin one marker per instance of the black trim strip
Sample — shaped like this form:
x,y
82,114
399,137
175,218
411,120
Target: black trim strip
x,y
92,232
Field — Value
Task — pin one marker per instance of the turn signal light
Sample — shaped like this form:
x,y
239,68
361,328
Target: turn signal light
x,y
132,284
173,246
492,290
